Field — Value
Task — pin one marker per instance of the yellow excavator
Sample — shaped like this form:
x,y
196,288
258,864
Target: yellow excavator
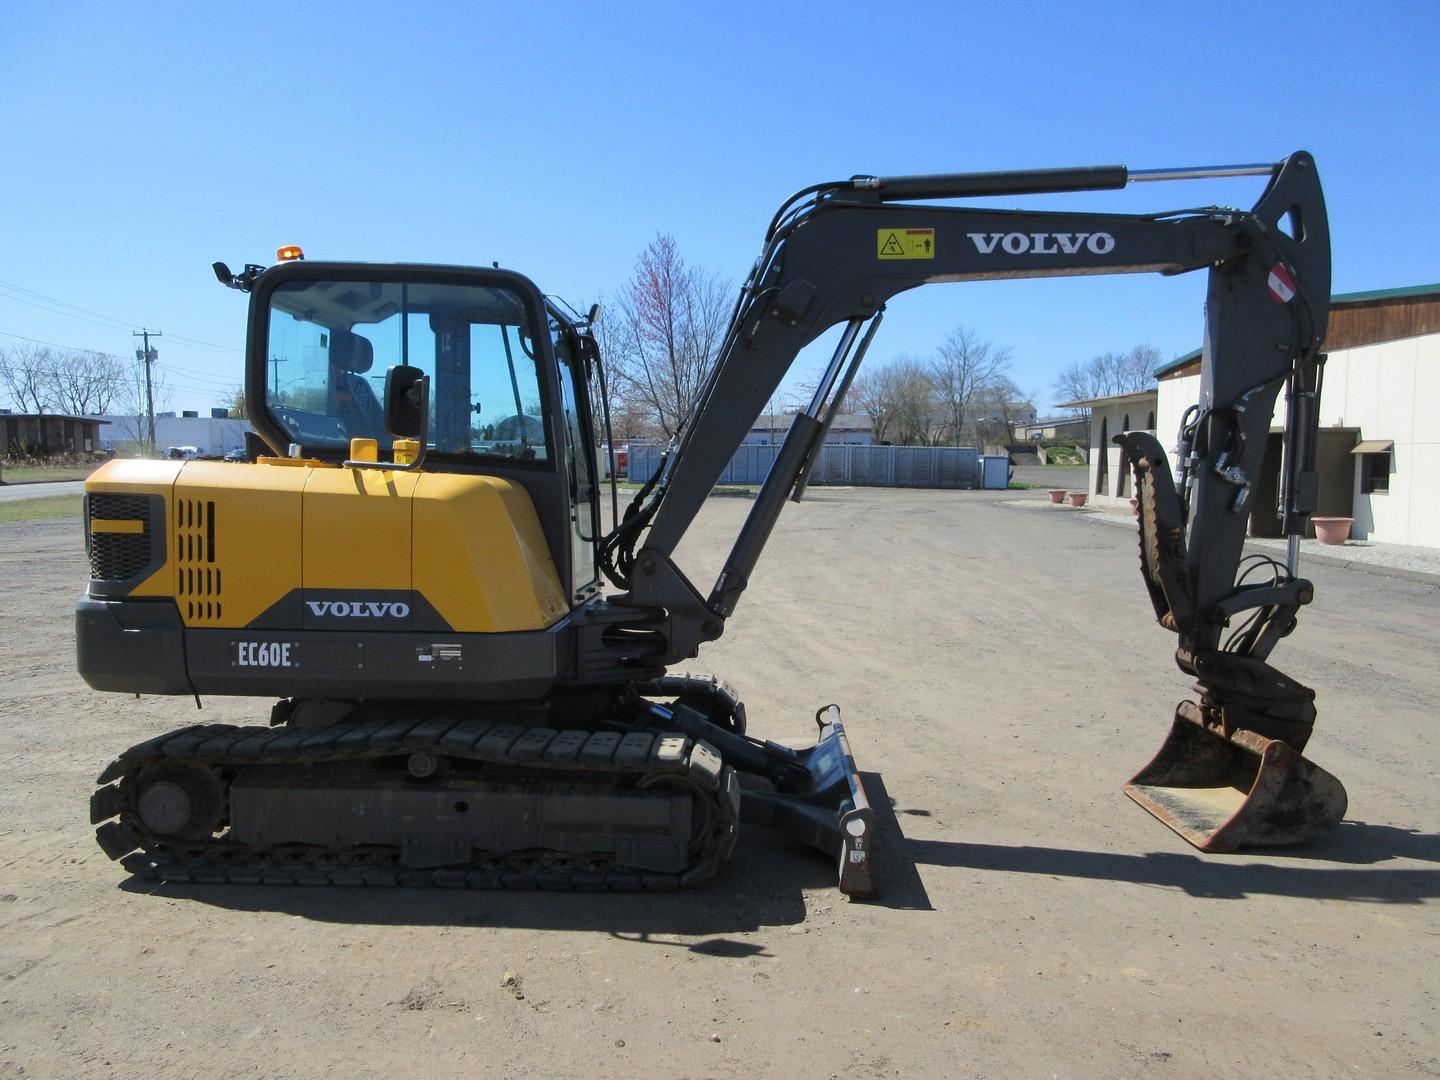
x,y
415,570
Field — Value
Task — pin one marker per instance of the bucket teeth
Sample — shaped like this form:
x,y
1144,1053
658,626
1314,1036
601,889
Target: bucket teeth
x,y
1222,794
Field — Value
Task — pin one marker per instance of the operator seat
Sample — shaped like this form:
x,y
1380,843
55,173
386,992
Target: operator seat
x,y
356,406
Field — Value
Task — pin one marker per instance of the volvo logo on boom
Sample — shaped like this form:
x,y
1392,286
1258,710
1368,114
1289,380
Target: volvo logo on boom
x,y
359,609
1042,243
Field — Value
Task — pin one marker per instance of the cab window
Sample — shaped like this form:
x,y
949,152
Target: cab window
x,y
331,342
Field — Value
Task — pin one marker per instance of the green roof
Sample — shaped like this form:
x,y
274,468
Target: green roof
x,y
1383,294
1179,362
1335,301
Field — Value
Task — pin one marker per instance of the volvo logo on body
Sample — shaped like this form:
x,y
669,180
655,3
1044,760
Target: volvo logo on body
x,y
359,609
1060,243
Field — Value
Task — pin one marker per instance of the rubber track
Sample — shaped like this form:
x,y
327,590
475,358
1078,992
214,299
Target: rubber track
x,y
578,753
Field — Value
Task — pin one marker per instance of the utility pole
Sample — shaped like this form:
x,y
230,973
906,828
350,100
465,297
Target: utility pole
x,y
146,356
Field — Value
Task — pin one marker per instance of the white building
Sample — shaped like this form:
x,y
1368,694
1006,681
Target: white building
x,y
1379,446
213,436
1111,482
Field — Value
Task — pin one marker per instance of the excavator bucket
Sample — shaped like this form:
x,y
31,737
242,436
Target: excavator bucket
x,y
1223,794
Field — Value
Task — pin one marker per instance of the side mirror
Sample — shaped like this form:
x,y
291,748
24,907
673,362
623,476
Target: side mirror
x,y
405,402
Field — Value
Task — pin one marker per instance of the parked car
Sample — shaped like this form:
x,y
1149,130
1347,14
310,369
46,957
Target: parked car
x,y
182,453
237,455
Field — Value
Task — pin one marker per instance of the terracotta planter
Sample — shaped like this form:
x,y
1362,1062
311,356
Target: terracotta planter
x,y
1135,507
1077,498
1332,530
1057,495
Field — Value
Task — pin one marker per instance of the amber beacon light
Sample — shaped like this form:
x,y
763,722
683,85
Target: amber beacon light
x,y
289,253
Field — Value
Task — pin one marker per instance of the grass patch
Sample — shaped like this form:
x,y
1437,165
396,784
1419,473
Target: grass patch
x,y
41,474
51,506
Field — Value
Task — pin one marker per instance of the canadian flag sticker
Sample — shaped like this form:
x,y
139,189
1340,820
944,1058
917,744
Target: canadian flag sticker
x,y
1282,285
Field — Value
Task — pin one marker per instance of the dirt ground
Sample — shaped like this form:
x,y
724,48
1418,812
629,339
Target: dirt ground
x,y
1001,676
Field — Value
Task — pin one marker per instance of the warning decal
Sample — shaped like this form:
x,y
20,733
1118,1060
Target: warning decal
x,y
905,243
1282,285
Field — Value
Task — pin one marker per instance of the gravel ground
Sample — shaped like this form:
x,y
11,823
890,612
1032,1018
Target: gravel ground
x,y
1001,676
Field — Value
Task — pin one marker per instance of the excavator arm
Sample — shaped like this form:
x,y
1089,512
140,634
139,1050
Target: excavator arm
x,y
836,253
838,259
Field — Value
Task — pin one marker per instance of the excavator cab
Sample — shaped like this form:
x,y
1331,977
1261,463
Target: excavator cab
x,y
505,381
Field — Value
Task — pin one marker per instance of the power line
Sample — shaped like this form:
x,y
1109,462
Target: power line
x,y
204,344
168,384
190,376
50,303
74,311
211,385
54,344
171,369
106,323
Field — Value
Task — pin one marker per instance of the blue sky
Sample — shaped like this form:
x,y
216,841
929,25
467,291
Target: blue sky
x,y
143,142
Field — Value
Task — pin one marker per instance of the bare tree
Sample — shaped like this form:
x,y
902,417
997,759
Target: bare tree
x,y
998,408
919,421
662,332
26,372
235,404
130,402
963,367
85,383
1137,371
873,393
630,420
1107,374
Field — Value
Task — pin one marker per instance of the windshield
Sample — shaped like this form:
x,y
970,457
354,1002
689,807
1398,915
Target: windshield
x,y
331,343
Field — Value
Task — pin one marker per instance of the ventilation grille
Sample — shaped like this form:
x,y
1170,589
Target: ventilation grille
x,y
197,575
119,556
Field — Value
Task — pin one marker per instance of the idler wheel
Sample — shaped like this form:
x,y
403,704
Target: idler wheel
x,y
180,800
702,812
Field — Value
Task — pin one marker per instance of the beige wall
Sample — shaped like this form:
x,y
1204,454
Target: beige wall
x,y
1106,422
1385,391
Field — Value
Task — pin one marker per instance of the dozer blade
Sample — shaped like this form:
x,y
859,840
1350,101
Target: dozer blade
x,y
1222,794
823,804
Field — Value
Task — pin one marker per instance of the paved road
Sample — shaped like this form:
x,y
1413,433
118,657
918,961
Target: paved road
x,y
10,492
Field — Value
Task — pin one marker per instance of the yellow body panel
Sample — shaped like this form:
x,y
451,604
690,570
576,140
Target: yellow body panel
x,y
357,529
481,557
239,538
257,540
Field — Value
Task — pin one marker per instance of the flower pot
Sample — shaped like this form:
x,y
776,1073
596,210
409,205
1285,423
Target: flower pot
x,y
1135,507
1077,498
1057,495
1332,530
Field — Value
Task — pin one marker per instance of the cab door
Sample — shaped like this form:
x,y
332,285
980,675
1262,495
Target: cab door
x,y
577,451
